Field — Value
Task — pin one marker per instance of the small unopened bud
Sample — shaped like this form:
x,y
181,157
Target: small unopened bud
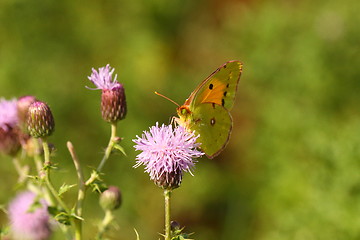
x,y
175,226
111,198
40,121
23,104
113,103
169,180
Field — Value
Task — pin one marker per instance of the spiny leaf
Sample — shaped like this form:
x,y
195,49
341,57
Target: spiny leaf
x,y
119,148
64,188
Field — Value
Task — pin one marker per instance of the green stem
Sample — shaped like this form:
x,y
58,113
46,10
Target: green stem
x,y
47,166
37,158
109,148
167,194
21,170
81,192
44,173
109,217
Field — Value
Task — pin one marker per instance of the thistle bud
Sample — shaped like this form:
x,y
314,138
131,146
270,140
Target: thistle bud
x,y
113,104
23,104
40,121
111,198
169,180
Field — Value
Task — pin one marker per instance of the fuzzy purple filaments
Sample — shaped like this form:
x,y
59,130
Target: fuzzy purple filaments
x,y
102,79
29,218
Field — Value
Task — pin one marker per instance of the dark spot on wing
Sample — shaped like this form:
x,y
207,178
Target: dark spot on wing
x,y
212,121
227,85
225,93
222,102
213,105
211,86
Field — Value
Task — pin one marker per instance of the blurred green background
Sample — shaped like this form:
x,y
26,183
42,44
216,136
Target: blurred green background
x,y
291,169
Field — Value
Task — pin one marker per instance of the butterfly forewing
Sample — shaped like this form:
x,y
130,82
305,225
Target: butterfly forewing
x,y
219,88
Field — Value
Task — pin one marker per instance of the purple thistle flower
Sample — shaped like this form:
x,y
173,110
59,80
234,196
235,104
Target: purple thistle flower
x,y
167,153
8,113
103,78
29,218
113,100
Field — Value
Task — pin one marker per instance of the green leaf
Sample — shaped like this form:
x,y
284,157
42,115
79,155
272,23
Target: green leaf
x,y
75,216
59,215
63,218
4,231
64,188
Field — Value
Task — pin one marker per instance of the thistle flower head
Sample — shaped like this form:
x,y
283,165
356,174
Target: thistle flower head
x,y
167,152
113,100
40,121
29,218
8,113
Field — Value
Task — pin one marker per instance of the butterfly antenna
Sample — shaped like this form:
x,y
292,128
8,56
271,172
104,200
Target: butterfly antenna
x,y
159,94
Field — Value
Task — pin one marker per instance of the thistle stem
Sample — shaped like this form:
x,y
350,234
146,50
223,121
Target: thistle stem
x,y
81,192
167,195
110,146
21,170
109,217
49,185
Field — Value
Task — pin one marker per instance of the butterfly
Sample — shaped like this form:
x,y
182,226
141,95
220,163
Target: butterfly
x,y
207,109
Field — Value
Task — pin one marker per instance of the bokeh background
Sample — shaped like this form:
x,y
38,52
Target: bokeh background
x,y
291,169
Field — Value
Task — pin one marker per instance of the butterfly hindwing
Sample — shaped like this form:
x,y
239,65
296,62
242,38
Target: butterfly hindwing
x,y
213,123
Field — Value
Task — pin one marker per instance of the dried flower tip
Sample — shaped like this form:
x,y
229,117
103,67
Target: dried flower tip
x,y
29,218
40,121
111,198
166,154
175,226
113,104
9,141
23,104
